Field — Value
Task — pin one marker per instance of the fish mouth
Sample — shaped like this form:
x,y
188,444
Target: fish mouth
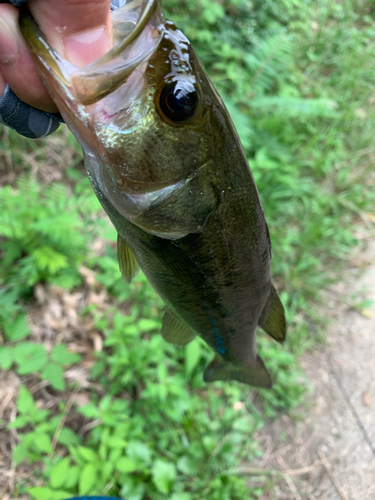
x,y
138,27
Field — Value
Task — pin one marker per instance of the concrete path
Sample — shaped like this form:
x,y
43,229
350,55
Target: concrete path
x,y
330,455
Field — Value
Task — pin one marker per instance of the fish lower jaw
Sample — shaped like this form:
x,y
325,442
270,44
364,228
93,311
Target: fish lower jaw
x,y
138,189
134,187
132,204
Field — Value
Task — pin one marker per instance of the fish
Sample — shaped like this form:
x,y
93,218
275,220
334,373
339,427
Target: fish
x,y
168,167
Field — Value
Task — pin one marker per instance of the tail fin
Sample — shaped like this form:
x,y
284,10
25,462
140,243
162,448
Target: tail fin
x,y
273,322
256,375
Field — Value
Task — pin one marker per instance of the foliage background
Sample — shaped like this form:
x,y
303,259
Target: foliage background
x,y
101,404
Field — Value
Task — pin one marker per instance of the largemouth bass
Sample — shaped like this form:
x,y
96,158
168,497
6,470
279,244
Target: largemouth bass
x,y
167,165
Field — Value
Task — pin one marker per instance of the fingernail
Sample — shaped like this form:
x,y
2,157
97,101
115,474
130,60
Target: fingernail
x,y
86,47
8,41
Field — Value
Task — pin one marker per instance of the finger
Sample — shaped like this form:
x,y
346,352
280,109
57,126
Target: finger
x,y
80,30
16,65
3,84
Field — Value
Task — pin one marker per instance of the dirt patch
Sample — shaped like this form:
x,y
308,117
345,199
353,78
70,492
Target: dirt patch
x,y
330,453
53,318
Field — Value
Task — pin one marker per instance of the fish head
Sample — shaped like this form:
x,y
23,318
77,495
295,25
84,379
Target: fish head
x,y
153,128
145,113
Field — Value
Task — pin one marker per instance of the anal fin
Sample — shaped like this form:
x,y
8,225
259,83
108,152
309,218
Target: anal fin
x,y
256,375
274,321
174,331
126,259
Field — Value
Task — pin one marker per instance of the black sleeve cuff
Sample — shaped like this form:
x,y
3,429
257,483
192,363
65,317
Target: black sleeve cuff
x,y
24,119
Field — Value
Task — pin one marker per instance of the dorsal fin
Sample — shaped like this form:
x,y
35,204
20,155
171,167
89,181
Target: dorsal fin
x,y
174,331
274,321
126,259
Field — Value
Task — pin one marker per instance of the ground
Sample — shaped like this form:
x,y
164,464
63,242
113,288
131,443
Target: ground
x,y
324,451
329,452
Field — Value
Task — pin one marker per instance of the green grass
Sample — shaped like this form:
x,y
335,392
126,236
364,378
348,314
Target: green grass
x,y
298,79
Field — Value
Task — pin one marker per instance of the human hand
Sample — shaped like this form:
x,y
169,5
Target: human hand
x,y
80,30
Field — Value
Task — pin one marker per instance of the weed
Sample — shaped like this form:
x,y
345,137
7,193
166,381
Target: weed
x,y
44,233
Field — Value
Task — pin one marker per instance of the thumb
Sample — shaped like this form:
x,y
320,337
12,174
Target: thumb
x,y
80,30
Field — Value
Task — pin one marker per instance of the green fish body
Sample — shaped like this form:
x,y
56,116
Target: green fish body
x,y
167,165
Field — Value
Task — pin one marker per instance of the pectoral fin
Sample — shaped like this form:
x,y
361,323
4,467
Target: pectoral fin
x,y
175,332
256,375
127,262
274,321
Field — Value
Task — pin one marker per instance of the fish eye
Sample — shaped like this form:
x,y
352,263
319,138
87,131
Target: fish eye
x,y
179,101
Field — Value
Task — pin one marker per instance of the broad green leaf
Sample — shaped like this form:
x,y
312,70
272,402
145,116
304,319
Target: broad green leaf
x,y
73,451
97,370
21,351
181,496
60,473
60,354
87,479
25,401
6,357
40,416
131,330
163,475
187,465
115,442
29,357
107,470
88,454
125,464
133,490
89,411
68,437
139,452
43,442
19,453
115,454
192,356
54,373
17,329
19,422
244,424
105,402
73,477
148,325
41,493
60,494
